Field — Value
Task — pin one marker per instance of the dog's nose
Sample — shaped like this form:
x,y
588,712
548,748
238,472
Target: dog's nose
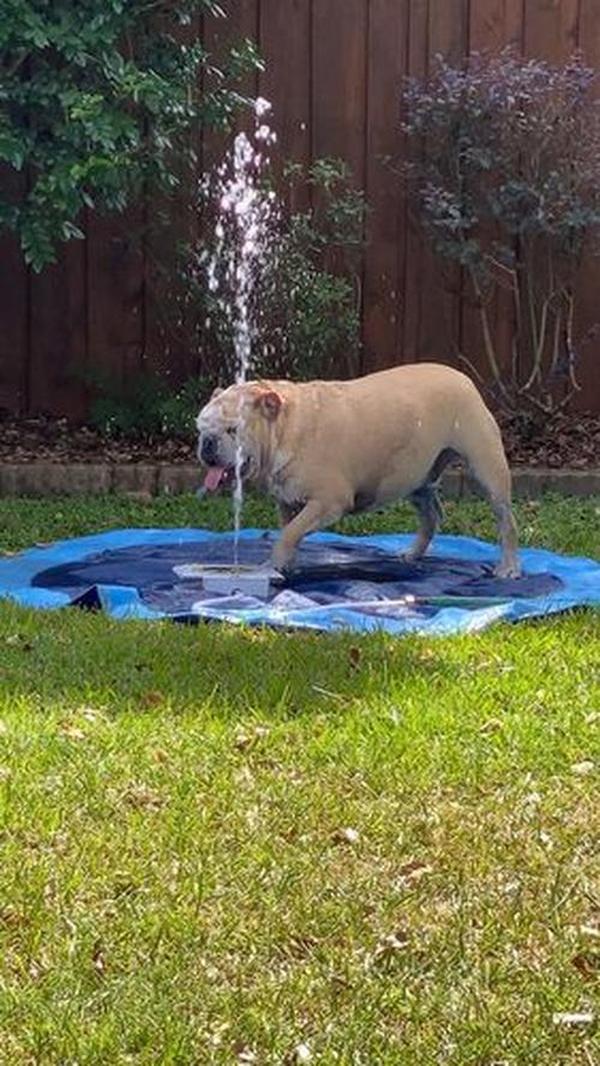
x,y
210,448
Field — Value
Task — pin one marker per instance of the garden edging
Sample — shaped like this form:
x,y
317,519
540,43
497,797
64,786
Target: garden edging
x,y
144,480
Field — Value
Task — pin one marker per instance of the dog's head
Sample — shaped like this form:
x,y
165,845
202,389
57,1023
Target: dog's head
x,y
235,430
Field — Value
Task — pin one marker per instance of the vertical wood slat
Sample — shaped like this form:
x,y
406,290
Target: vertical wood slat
x,y
339,91
115,298
285,41
553,32
169,221
432,319
58,341
14,308
551,28
493,24
242,21
588,316
384,271
417,63
339,88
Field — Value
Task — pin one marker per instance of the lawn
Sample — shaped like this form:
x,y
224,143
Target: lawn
x,y
246,847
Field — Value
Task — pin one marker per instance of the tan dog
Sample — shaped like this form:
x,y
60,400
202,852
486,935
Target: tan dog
x,y
324,449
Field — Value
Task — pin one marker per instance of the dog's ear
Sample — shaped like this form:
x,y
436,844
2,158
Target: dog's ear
x,y
216,392
270,403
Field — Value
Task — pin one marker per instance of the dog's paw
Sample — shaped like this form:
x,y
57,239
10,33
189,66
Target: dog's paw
x,y
507,570
411,556
280,563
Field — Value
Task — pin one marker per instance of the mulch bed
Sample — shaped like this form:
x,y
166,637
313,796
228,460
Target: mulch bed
x,y
572,441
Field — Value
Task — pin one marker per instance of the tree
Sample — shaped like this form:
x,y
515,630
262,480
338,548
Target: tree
x,y
99,98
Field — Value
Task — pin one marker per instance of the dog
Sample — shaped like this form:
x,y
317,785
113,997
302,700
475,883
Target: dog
x,y
325,449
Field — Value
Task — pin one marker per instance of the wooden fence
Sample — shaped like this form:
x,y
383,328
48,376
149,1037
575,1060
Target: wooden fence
x,y
333,73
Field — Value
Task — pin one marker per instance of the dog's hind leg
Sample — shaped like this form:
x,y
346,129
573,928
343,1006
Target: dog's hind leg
x,y
427,502
428,507
488,464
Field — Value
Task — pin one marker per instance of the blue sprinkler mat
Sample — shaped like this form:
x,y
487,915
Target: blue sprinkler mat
x,y
357,583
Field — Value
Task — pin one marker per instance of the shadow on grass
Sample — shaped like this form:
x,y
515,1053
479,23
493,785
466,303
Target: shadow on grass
x,y
78,657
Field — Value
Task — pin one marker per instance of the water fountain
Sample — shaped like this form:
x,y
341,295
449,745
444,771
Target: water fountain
x,y
247,219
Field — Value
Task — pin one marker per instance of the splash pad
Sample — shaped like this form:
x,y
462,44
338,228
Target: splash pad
x,y
360,584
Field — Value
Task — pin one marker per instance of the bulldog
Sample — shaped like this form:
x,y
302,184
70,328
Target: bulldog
x,y
325,449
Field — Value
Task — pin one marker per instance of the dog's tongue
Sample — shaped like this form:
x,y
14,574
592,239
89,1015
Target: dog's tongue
x,y
214,477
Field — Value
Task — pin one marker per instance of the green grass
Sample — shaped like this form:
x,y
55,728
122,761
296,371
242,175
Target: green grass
x,y
177,885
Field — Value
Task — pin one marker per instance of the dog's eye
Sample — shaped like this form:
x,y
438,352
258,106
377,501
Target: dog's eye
x,y
231,430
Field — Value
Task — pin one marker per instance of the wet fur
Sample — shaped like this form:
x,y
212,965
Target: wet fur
x,y
325,449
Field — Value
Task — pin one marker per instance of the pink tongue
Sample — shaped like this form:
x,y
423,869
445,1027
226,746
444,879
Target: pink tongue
x,y
214,477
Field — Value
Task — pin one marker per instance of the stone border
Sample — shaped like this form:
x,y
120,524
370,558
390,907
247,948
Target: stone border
x,y
143,480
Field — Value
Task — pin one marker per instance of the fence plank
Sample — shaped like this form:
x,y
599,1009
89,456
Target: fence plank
x,y
285,82
384,268
551,28
115,297
417,62
588,313
432,329
339,87
338,106
493,24
243,21
58,356
170,221
14,309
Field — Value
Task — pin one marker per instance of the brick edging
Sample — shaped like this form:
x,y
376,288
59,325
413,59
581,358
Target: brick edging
x,y
144,480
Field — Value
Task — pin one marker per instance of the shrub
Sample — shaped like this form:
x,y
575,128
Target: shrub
x,y
305,304
146,406
99,98
504,168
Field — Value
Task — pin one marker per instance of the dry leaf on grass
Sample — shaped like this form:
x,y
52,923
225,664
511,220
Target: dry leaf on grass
x,y
71,731
388,947
493,725
93,714
160,756
98,959
583,768
243,741
413,871
587,964
301,1053
148,700
354,656
347,835
573,1018
246,1054
141,796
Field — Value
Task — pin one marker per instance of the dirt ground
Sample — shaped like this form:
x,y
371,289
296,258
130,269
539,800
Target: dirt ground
x,y
572,441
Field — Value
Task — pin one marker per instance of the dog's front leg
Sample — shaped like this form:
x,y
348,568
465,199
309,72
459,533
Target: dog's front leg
x,y
314,515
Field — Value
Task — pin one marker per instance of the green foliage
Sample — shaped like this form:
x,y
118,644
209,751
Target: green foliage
x,y
505,168
305,304
98,98
146,406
